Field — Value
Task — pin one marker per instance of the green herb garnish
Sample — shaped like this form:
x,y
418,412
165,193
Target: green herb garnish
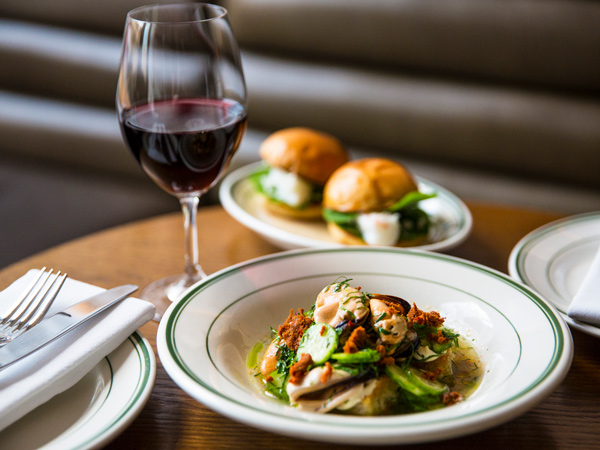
x,y
414,222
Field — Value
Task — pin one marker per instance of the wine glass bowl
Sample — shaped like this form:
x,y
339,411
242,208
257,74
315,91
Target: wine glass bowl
x,y
181,104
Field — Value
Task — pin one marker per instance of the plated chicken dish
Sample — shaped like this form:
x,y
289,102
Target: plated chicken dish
x,y
361,353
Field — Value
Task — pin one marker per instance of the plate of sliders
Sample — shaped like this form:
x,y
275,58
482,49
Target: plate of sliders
x,y
305,192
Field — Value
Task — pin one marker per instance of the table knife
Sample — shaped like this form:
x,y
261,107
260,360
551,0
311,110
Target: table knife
x,y
62,322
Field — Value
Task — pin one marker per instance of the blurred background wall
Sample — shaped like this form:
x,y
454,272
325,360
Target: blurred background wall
x,y
497,101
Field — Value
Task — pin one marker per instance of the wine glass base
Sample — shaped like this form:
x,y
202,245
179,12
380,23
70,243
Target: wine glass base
x,y
161,293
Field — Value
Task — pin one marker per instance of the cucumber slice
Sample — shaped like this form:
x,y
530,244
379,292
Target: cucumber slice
x,y
320,341
400,376
430,387
412,380
362,357
441,348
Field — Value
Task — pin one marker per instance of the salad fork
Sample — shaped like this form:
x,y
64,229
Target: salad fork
x,y
31,306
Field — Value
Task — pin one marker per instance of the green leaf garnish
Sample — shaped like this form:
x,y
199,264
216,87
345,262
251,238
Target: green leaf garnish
x,y
339,218
410,200
286,358
414,222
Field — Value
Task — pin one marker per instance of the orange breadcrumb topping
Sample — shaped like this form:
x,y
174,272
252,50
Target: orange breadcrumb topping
x,y
328,371
385,360
357,339
451,398
293,328
430,319
438,337
299,368
431,375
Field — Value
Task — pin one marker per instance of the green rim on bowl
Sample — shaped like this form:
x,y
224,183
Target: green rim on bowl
x,y
561,354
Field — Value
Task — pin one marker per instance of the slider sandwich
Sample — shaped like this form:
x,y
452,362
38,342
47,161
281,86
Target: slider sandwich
x,y
375,201
298,163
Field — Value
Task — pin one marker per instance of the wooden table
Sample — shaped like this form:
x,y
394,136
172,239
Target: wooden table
x,y
151,249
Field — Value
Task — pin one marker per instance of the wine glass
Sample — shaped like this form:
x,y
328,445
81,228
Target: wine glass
x,y
181,103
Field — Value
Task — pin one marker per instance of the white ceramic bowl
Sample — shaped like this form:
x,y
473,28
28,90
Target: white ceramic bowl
x,y
203,339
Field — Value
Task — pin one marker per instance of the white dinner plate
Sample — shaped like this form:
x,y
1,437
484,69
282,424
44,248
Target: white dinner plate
x,y
204,339
554,259
96,409
451,220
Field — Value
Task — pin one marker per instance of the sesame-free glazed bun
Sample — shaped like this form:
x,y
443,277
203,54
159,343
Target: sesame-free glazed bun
x,y
311,154
367,185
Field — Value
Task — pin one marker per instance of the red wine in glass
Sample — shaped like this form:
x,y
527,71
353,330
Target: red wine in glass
x,y
184,144
181,102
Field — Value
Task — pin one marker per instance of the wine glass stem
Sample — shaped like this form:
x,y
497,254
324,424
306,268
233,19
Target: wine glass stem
x,y
189,206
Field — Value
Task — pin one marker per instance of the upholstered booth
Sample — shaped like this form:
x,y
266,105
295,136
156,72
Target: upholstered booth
x,y
497,101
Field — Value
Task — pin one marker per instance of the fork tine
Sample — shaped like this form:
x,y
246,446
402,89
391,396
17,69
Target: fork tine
x,y
26,303
38,313
34,303
8,315
31,306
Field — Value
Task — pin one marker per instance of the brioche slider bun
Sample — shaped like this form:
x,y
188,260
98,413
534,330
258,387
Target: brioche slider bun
x,y
310,155
364,186
367,185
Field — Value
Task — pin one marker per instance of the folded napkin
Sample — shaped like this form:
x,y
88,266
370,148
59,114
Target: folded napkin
x,y
586,303
53,369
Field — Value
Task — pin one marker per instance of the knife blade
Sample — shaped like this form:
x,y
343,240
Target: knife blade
x,y
61,323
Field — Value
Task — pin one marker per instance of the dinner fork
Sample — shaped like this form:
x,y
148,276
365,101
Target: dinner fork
x,y
31,306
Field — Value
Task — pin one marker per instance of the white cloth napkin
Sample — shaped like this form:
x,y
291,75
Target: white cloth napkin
x,y
586,303
53,369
